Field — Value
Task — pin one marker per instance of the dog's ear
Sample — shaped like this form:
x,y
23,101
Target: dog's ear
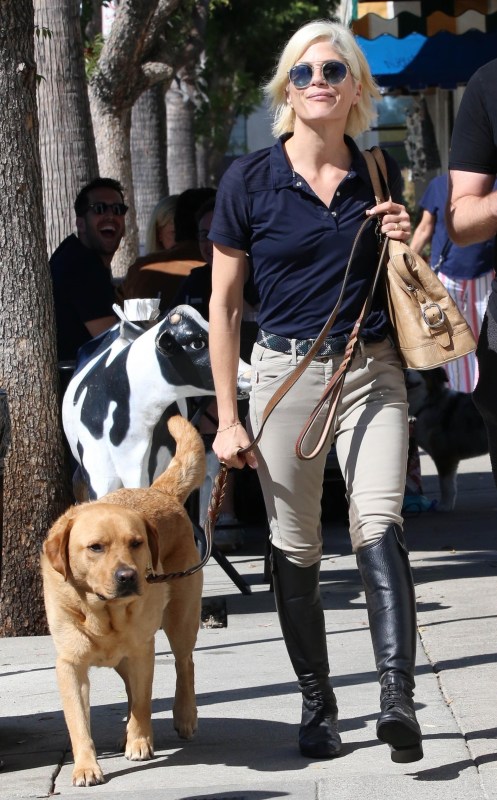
x,y
153,543
56,545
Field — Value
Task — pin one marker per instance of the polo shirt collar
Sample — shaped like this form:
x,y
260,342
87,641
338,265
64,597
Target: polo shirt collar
x,y
281,171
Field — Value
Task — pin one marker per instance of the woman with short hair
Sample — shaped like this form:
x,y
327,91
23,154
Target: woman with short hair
x,y
296,208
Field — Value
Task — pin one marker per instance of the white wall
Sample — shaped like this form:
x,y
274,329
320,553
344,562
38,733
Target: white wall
x,y
259,130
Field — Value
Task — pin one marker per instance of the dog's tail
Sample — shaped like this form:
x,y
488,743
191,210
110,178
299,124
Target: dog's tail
x,y
186,470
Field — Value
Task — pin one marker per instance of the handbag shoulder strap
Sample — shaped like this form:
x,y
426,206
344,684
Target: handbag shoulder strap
x,y
377,168
375,161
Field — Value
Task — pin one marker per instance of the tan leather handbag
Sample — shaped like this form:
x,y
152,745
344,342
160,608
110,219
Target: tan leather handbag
x,y
428,327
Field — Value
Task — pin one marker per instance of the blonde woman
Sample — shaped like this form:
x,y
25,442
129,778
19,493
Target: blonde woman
x,y
160,233
174,249
295,208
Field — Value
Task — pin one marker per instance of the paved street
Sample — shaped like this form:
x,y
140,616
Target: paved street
x,y
249,709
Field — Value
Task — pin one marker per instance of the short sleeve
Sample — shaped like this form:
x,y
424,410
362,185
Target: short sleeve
x,y
473,145
231,220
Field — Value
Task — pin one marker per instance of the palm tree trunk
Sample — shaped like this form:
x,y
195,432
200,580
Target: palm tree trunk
x,y
148,154
67,146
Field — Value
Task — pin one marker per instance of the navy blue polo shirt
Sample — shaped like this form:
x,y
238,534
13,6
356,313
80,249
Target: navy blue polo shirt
x,y
460,263
299,247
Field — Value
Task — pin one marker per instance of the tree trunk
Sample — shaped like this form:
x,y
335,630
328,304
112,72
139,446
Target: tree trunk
x,y
201,163
181,99
181,156
34,467
214,154
67,146
148,154
114,88
112,136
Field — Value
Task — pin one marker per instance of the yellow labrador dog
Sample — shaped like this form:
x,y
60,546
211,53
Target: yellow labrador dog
x,y
102,612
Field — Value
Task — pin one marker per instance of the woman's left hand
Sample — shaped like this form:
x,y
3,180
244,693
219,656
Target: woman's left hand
x,y
395,221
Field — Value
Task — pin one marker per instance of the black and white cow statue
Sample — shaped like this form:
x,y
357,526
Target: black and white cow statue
x,y
116,405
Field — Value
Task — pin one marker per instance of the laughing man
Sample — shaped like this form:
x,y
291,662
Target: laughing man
x,y
80,267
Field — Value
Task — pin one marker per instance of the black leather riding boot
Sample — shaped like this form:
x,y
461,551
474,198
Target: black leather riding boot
x,y
298,601
388,584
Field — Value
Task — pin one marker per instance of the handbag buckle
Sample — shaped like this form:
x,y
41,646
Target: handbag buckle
x,y
439,322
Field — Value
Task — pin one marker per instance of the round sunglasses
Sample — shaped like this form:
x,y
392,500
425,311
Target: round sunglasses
x,y
333,72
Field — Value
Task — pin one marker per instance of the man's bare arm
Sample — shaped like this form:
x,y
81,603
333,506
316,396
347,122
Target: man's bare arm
x,y
97,326
471,214
424,232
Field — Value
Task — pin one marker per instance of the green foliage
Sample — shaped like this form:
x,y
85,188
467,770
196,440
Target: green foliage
x,y
244,38
243,41
253,31
92,52
179,26
92,46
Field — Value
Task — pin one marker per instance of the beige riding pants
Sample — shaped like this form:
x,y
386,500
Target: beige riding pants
x,y
371,438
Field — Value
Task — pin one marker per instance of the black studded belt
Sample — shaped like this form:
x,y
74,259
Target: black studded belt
x,y
331,346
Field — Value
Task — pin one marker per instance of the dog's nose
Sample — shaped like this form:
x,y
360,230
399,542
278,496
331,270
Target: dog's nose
x,y
126,579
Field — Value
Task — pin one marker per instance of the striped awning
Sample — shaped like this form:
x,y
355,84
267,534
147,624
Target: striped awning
x,y
419,62
372,25
426,43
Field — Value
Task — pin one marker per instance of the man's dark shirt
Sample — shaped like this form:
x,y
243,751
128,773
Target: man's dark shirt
x,y
473,146
83,291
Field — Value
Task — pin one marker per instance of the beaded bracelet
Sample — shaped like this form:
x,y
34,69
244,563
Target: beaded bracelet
x,y
233,425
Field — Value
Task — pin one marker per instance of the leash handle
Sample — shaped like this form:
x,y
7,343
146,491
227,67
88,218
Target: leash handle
x,y
331,395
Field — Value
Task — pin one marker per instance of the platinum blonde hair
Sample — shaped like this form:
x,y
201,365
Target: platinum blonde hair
x,y
162,213
343,41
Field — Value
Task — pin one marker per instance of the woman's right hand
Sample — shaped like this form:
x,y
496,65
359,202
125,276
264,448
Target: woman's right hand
x,y
227,444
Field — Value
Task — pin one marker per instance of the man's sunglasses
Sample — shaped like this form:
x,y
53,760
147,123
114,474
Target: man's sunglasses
x,y
118,209
333,72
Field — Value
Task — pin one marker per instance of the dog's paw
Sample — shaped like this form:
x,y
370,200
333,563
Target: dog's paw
x,y
139,749
186,724
87,775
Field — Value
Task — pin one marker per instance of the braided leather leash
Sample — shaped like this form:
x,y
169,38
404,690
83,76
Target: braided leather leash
x,y
330,396
333,390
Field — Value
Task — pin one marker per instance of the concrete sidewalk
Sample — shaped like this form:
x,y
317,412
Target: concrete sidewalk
x,y
248,704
